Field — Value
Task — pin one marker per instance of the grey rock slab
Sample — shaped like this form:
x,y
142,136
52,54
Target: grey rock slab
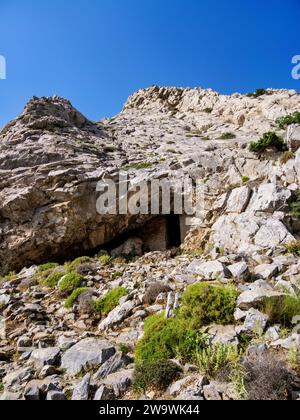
x,y
210,270
45,357
81,390
117,315
87,354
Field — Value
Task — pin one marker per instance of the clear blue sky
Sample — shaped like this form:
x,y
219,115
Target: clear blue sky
x,y
97,52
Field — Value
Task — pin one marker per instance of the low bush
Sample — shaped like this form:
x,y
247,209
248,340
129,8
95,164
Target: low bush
x,y
52,279
137,166
156,375
105,260
219,356
227,136
8,277
293,248
110,301
70,282
283,122
166,339
269,140
46,267
204,304
267,378
74,296
79,261
208,110
257,93
282,309
245,179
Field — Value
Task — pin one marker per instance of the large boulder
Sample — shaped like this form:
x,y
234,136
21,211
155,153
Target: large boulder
x,y
293,137
87,354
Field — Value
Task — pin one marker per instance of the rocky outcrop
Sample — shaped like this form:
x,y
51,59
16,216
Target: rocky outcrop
x,y
51,158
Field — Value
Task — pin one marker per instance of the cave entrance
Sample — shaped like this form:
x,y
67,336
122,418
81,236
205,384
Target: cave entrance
x,y
158,234
173,231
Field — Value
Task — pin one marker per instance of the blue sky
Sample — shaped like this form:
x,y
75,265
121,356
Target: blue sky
x,y
97,52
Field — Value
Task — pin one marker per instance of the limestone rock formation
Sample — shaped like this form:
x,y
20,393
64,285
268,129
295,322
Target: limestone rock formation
x,y
51,158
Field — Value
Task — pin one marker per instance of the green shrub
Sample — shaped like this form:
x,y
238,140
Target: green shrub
x,y
283,122
46,267
269,140
157,375
1,387
76,263
227,136
213,358
69,303
124,349
294,248
168,338
110,301
105,260
70,282
295,205
137,166
204,304
52,279
44,271
282,309
116,275
257,93
208,110
245,179
9,277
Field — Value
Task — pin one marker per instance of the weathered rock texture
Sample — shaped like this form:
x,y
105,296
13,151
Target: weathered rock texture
x,y
51,158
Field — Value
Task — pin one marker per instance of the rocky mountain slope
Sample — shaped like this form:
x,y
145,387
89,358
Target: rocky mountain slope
x,y
76,329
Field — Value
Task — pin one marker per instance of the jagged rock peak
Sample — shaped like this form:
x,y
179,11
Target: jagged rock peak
x,y
46,113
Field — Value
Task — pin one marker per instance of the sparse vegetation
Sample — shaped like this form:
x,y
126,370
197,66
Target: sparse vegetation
x,y
213,358
269,141
156,375
137,166
245,179
110,301
76,263
70,282
208,110
124,349
46,267
9,277
116,275
295,205
267,378
281,310
288,155
105,260
293,248
283,122
74,296
1,387
53,279
227,136
259,92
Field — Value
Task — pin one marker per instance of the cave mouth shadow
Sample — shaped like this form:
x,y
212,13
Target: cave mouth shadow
x,y
159,234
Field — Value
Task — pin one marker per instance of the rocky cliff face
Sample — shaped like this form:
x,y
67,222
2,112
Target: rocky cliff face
x,y
51,158
58,321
